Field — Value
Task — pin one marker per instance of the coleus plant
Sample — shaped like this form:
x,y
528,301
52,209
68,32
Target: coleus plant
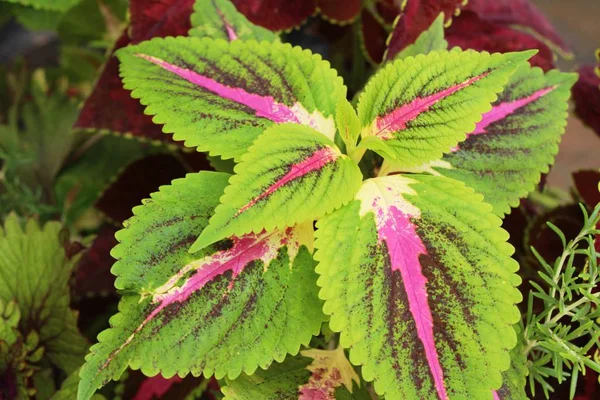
x,y
222,274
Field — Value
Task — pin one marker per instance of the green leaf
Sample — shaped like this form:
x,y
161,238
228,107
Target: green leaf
x,y
430,40
325,377
347,122
219,96
35,274
54,5
219,19
291,174
228,309
514,142
414,110
515,378
68,389
417,276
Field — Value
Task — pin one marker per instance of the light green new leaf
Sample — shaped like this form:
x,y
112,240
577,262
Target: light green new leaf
x,y
430,40
291,174
35,273
229,309
220,19
417,276
416,109
219,96
516,141
347,122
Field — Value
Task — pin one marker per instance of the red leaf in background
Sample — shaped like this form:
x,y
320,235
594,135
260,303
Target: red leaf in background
x,y
340,10
586,95
373,37
155,387
110,107
521,13
136,183
416,17
136,386
469,31
569,219
159,18
586,185
276,15
92,276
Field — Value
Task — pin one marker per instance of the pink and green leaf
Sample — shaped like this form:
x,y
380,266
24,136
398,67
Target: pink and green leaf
x,y
231,308
219,19
514,143
328,376
291,174
522,15
416,109
416,16
220,96
110,107
425,310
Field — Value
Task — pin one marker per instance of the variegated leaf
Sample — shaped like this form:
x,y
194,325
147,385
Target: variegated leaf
x,y
417,276
516,141
229,309
220,96
291,174
414,110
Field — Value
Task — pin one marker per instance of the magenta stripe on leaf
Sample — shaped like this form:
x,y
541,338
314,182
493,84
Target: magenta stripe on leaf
x,y
244,250
398,119
393,219
230,31
503,110
265,106
315,162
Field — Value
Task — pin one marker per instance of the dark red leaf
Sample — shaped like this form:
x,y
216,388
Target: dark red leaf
x,y
518,12
388,10
277,15
159,18
136,386
586,95
469,31
340,10
586,185
110,107
416,17
92,276
373,37
140,179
